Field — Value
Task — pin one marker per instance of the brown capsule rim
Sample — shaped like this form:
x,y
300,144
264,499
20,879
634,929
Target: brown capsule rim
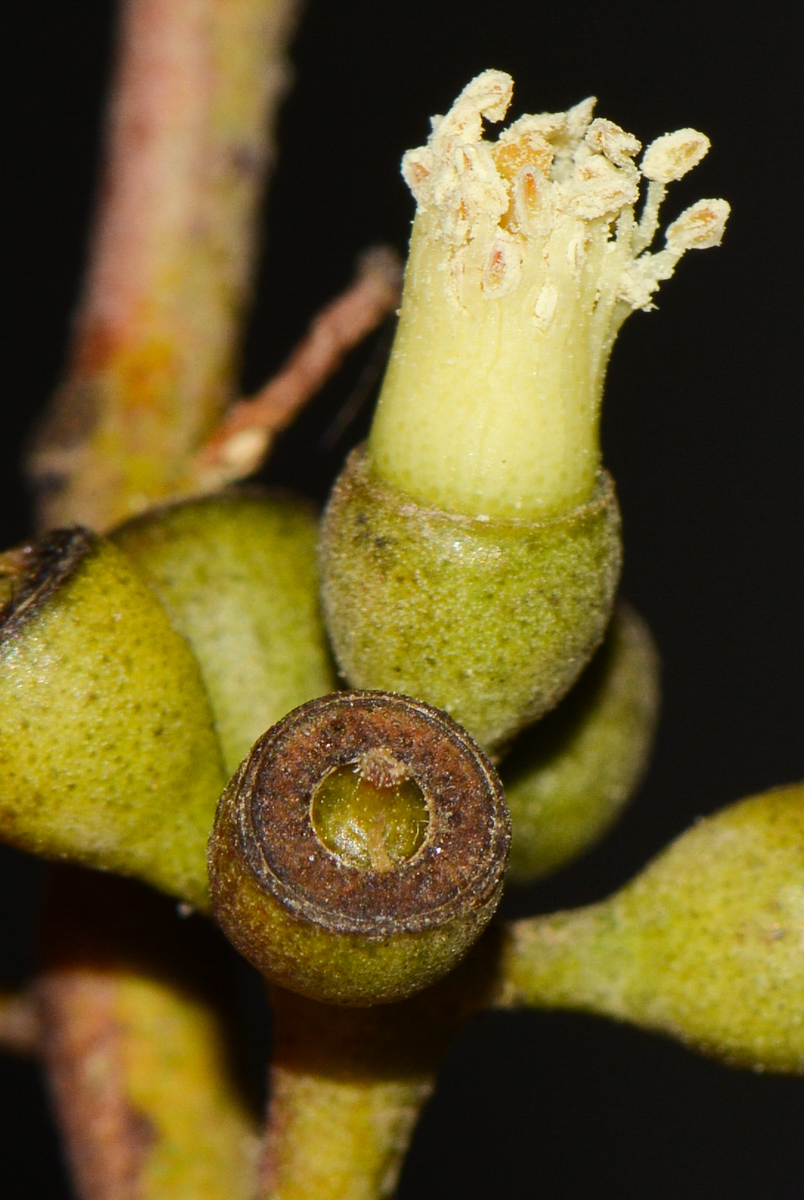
x,y
458,869
40,569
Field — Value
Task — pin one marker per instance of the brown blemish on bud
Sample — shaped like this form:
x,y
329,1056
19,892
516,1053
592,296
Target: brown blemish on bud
x,y
30,575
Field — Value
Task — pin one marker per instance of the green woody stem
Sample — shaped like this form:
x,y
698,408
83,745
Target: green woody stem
x,y
347,1084
345,1093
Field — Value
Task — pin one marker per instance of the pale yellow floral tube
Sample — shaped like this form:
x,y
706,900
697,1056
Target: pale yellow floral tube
x,y
525,259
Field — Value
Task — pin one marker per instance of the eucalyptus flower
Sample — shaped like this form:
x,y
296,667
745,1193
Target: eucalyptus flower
x,y
526,257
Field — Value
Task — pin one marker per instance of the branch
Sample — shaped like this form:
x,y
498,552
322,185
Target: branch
x,y
136,1043
347,1085
189,141
133,1049
244,438
344,1100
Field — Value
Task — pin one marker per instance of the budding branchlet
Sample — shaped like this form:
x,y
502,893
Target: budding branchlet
x,y
527,255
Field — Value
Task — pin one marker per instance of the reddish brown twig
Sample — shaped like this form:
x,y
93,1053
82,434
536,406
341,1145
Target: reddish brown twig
x,y
159,325
244,438
135,1040
104,1139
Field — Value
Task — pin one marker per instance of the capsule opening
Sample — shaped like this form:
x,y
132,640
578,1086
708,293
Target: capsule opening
x,y
371,813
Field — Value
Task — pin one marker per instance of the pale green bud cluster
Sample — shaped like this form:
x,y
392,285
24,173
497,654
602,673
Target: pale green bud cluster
x,y
136,671
469,556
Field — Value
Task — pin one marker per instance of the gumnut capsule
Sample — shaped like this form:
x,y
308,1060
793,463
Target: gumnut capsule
x,y
490,620
471,551
108,754
237,575
360,849
704,945
568,777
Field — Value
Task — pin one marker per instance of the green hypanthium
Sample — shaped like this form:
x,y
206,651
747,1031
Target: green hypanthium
x,y
237,576
705,944
567,777
108,753
492,617
496,708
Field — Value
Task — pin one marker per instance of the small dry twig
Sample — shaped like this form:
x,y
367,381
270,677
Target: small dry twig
x,y
136,1039
244,439
188,147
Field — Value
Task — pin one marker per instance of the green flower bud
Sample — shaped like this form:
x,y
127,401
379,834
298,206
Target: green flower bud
x,y
489,620
567,778
360,849
237,575
706,944
108,755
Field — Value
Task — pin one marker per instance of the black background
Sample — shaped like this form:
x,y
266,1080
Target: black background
x,y
703,430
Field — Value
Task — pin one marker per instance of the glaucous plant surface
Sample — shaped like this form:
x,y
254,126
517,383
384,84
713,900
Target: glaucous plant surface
x,y
492,602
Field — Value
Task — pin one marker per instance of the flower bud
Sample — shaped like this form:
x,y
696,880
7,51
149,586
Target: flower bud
x,y
470,557
525,259
567,778
705,944
108,755
237,575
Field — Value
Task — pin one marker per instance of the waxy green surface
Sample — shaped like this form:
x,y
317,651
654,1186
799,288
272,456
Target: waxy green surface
x,y
567,778
108,754
490,620
706,944
238,577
